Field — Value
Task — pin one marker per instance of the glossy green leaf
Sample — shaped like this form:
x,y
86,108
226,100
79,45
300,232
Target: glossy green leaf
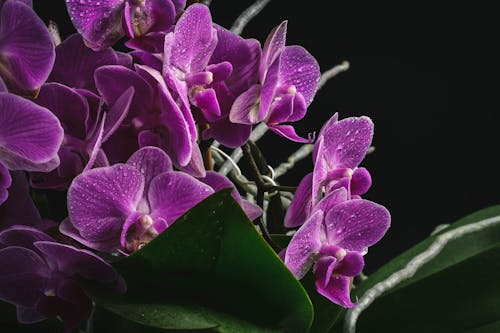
x,y
211,269
457,290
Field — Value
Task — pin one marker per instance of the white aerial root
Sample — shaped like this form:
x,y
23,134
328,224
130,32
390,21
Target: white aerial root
x,y
247,15
54,32
411,268
332,72
299,155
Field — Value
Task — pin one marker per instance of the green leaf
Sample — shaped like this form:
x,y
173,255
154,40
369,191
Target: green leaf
x,y
211,269
457,290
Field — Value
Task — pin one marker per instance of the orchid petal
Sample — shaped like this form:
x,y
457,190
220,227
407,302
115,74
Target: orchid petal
x,y
304,244
26,48
100,200
301,205
30,135
356,224
337,290
287,131
173,193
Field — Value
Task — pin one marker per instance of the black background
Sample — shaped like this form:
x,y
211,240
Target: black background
x,y
426,75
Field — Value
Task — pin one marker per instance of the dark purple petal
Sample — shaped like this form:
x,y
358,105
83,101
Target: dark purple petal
x,y
100,200
299,68
194,40
356,224
360,181
99,22
173,193
23,236
3,87
26,48
113,80
117,113
301,205
337,290
72,261
5,182
30,135
304,245
246,108
70,107
346,141
227,133
324,267
287,131
75,63
242,54
29,315
19,207
150,161
275,43
195,166
351,265
22,276
179,5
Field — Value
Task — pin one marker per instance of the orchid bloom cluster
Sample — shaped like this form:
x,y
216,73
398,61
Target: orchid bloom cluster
x,y
121,133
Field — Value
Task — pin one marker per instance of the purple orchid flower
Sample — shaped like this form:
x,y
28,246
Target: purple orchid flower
x,y
154,119
85,129
244,56
26,48
340,148
30,136
333,241
40,277
289,77
124,206
102,23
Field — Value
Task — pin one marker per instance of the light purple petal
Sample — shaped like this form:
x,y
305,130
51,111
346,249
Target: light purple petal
x,y
100,200
22,274
287,131
195,166
173,193
356,224
30,135
3,87
360,181
75,63
99,22
299,68
150,161
206,101
304,244
333,119
246,108
301,205
72,261
337,290
346,141
331,200
275,43
194,38
26,47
